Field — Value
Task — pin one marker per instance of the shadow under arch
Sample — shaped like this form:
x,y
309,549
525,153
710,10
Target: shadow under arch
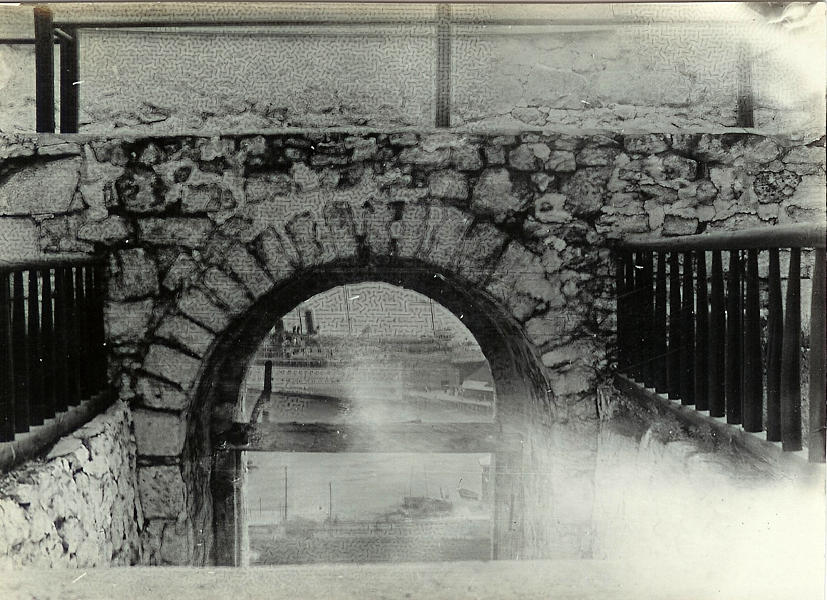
x,y
522,388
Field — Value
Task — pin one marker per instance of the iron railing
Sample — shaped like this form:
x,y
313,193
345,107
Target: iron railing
x,y
52,351
49,32
691,331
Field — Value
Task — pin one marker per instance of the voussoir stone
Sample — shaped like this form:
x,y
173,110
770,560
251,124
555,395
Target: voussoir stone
x,y
188,334
158,394
161,491
229,292
198,306
172,365
245,267
158,433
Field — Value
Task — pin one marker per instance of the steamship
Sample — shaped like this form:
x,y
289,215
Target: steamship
x,y
334,378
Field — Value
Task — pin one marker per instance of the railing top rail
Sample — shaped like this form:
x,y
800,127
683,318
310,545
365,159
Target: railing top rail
x,y
799,235
22,264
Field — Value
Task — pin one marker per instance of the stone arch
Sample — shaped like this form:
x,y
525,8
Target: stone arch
x,y
187,384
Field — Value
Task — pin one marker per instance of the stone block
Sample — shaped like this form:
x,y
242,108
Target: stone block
x,y
438,159
132,274
701,192
140,190
679,225
161,490
529,114
806,154
577,380
158,433
524,158
188,334
544,329
403,139
549,208
228,291
46,187
363,148
448,185
111,230
208,197
261,188
172,365
158,394
653,143
494,196
772,187
305,179
494,155
175,231
467,158
562,161
272,251
585,191
596,157
127,322
198,306
247,269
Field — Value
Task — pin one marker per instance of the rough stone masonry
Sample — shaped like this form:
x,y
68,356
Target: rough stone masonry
x,y
198,230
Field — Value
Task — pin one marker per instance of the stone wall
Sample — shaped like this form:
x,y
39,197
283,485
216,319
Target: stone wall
x,y
208,238
77,506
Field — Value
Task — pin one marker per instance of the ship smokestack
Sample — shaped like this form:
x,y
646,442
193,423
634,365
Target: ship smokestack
x,y
308,319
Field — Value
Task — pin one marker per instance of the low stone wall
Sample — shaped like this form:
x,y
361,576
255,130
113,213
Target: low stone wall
x,y
76,507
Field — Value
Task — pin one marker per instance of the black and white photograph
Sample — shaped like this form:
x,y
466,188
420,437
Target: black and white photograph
x,y
444,301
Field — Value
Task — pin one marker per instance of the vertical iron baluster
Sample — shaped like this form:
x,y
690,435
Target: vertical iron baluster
x,y
733,340
717,328
620,291
674,356
61,355
89,331
631,315
37,407
660,348
687,333
100,334
790,349
635,310
47,343
775,334
80,335
73,357
701,335
22,400
647,320
753,382
6,364
818,360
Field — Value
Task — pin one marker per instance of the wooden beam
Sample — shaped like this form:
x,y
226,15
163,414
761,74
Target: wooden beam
x,y
465,438
44,57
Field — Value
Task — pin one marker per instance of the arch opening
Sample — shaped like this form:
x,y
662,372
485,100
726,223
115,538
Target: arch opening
x,y
516,372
